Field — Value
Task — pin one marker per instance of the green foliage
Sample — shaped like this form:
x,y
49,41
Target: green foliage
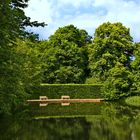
x,y
73,90
71,34
65,56
12,92
12,26
112,43
134,101
93,80
29,63
136,67
119,82
110,57
23,71
64,65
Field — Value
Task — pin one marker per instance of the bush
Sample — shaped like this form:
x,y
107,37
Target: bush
x,y
119,83
93,80
134,101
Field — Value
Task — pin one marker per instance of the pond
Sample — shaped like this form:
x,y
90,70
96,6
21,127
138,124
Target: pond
x,y
79,121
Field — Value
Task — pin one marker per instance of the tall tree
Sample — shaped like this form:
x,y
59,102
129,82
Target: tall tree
x,y
71,34
119,82
12,26
29,63
112,43
136,66
66,59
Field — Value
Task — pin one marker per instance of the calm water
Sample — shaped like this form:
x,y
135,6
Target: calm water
x,y
81,121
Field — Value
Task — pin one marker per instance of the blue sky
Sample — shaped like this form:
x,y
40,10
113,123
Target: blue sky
x,y
84,14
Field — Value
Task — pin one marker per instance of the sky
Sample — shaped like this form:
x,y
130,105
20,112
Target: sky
x,y
84,14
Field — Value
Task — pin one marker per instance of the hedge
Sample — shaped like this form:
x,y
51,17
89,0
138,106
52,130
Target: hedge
x,y
73,90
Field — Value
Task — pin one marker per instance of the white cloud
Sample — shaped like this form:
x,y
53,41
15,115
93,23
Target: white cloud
x,y
126,12
86,14
39,10
75,3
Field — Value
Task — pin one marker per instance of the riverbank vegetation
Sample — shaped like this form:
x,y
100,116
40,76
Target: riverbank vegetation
x,y
133,101
69,56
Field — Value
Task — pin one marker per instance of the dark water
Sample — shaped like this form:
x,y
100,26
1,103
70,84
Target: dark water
x,y
82,121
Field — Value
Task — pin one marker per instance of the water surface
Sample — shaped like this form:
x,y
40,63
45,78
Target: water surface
x,y
81,121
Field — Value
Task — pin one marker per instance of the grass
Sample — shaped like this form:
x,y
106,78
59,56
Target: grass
x,y
133,101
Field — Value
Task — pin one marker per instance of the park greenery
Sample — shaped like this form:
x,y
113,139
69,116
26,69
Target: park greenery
x,y
70,56
133,101
75,91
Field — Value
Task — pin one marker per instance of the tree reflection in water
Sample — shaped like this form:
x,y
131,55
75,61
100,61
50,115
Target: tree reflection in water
x,y
112,122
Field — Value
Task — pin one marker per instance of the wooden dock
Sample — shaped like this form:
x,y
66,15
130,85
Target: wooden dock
x,y
65,100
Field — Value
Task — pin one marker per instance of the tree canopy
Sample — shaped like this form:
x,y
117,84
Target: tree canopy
x,y
136,66
112,43
71,34
65,58
12,26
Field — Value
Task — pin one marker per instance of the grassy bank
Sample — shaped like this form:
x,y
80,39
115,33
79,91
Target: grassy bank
x,y
133,101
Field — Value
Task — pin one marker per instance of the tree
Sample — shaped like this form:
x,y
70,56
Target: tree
x,y
12,26
29,63
112,43
71,34
65,64
66,59
119,83
136,66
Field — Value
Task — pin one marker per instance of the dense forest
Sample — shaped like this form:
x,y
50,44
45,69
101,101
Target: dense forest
x,y
70,55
